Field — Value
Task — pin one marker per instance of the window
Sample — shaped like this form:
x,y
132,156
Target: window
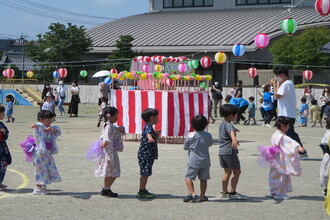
x,y
187,3
261,2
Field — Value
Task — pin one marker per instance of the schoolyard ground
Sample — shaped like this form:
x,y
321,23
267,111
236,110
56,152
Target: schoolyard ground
x,y
78,195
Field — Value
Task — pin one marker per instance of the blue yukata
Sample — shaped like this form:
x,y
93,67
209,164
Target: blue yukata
x,y
148,152
303,114
9,108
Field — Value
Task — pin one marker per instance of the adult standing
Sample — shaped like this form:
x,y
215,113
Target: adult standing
x,y
104,91
284,92
75,100
325,96
45,91
61,92
239,89
217,97
267,106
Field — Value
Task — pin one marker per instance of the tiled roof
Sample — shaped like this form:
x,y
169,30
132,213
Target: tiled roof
x,y
17,60
199,30
326,48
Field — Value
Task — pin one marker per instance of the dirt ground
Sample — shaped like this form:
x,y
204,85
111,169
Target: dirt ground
x,y
78,195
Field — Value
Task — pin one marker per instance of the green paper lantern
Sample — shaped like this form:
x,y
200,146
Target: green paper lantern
x,y
83,73
203,85
193,64
289,26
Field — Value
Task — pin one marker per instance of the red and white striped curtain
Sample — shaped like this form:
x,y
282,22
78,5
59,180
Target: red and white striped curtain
x,y
176,109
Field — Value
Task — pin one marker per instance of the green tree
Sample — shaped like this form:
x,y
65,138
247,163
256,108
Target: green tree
x,y
120,59
303,48
61,44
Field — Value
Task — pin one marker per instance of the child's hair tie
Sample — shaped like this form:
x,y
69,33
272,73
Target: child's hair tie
x,y
107,115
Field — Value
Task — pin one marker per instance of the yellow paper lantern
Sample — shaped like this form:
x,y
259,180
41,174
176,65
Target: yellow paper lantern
x,y
122,78
129,75
158,68
198,77
208,77
144,76
29,74
114,76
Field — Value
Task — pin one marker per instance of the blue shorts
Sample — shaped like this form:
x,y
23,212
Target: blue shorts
x,y
146,167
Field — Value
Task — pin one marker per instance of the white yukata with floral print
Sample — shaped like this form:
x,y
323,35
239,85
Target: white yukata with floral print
x,y
45,169
108,165
285,165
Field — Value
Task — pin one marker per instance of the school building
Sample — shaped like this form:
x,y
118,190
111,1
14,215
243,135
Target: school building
x,y
197,28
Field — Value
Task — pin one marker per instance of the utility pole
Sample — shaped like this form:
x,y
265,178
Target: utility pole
x,y
23,44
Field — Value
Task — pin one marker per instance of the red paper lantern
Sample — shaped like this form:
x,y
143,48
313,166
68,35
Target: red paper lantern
x,y
62,72
253,72
206,62
9,73
322,7
308,74
113,70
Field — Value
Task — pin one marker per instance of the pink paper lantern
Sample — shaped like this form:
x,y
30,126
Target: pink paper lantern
x,y
253,72
113,70
308,74
182,68
206,62
9,73
62,72
322,7
145,68
261,40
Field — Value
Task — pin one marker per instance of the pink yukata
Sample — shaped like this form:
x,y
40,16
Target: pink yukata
x,y
108,164
45,169
285,163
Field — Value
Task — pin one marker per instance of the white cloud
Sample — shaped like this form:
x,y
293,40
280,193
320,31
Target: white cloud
x,y
111,2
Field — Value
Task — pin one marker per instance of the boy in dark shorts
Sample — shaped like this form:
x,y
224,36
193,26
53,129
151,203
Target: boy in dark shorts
x,y
199,163
148,151
228,152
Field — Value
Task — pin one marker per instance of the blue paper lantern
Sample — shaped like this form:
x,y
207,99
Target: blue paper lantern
x,y
55,74
107,80
238,50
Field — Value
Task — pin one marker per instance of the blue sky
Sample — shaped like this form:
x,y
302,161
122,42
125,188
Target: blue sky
x,y
15,22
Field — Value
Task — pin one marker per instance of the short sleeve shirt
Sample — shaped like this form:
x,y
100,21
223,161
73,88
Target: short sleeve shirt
x,y
198,146
225,140
286,104
148,151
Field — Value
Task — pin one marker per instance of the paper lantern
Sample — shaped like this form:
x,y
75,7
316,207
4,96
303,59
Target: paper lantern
x,y
308,74
146,59
253,72
261,40
203,85
62,72
238,50
289,26
83,73
206,62
193,64
220,57
107,80
113,70
158,68
322,7
145,68
55,74
9,73
169,82
182,67
29,74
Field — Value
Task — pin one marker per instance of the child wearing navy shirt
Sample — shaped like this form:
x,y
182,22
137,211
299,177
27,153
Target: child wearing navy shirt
x,y
148,151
